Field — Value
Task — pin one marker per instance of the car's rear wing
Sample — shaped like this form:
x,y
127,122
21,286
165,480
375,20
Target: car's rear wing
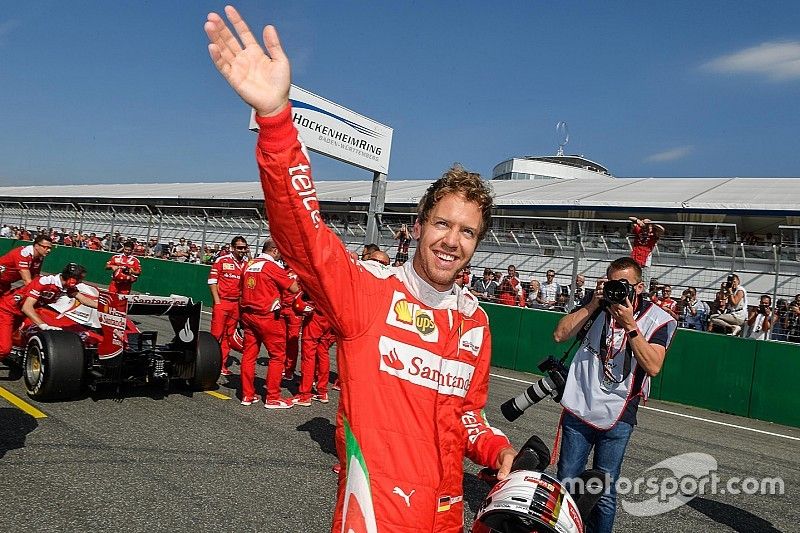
x,y
113,311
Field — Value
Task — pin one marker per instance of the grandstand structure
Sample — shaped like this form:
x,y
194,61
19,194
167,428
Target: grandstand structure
x,y
715,226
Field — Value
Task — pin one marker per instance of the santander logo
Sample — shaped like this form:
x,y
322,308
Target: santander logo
x,y
392,361
427,369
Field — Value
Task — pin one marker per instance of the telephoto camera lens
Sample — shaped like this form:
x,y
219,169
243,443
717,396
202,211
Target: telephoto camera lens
x,y
551,385
616,290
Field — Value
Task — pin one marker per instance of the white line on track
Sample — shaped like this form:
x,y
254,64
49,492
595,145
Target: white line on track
x,y
679,414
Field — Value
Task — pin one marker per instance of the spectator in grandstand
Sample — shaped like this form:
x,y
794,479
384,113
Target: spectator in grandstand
x,y
645,238
180,252
484,287
510,291
732,318
549,290
5,231
125,270
693,313
24,235
791,323
625,346
779,332
582,294
94,242
665,301
23,262
403,238
464,278
139,249
760,320
384,409
532,298
224,282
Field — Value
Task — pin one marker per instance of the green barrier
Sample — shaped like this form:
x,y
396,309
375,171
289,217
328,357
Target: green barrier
x,y
505,327
775,396
536,340
711,371
718,372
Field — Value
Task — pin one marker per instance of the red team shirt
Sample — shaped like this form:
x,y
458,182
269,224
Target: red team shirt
x,y
264,296
46,289
643,244
14,261
120,279
226,274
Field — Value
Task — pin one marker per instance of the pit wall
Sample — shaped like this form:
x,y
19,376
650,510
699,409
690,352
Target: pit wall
x,y
745,377
756,379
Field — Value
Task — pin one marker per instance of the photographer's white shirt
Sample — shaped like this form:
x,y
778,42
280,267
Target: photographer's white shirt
x,y
755,331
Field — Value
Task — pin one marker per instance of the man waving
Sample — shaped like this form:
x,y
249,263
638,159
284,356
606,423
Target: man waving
x,y
414,349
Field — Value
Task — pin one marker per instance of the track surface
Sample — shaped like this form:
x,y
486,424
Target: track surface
x,y
145,461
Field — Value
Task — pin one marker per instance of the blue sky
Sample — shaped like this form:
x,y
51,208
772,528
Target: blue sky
x,y
124,92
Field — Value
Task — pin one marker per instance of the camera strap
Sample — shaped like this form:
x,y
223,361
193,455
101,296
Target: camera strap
x,y
582,332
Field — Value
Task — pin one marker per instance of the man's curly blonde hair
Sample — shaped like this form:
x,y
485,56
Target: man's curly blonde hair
x,y
457,180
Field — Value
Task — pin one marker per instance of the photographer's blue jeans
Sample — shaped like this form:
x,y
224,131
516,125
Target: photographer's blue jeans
x,y
577,440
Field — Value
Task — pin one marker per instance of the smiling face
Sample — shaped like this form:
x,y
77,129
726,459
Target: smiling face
x,y
447,240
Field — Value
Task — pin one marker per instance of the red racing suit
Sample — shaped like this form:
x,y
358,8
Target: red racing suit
x,y
315,359
413,362
123,278
11,263
294,323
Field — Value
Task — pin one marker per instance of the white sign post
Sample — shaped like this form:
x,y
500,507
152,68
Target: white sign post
x,y
343,134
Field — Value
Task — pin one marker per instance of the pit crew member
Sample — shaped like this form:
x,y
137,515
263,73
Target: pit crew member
x,y
125,270
414,352
315,359
24,262
224,282
23,301
263,281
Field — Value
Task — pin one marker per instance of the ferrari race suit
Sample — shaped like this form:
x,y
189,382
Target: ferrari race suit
x,y
123,278
15,260
262,283
413,362
226,274
46,290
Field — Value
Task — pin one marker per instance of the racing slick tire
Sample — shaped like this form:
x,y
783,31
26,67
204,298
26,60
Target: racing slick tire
x,y
207,363
53,365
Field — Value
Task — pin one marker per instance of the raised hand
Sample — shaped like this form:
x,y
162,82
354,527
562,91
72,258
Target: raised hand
x,y
261,80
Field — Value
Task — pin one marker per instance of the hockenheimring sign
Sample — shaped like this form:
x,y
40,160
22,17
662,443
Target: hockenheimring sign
x,y
338,132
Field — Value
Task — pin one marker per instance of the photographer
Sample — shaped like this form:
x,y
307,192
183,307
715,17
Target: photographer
x,y
760,320
621,348
693,312
732,318
791,322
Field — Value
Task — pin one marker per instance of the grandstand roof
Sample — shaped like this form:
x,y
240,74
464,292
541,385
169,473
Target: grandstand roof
x,y
708,194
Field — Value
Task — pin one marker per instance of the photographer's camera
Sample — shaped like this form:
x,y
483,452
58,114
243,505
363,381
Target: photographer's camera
x,y
552,384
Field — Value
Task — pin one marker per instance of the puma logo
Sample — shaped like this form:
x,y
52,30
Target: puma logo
x,y
406,497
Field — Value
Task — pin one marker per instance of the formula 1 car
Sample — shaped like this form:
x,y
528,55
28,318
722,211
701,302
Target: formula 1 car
x,y
103,345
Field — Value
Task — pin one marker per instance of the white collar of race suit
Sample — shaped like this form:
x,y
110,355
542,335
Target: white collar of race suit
x,y
456,298
271,259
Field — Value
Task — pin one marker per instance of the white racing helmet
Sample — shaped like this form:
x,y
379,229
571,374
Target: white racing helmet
x,y
528,502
